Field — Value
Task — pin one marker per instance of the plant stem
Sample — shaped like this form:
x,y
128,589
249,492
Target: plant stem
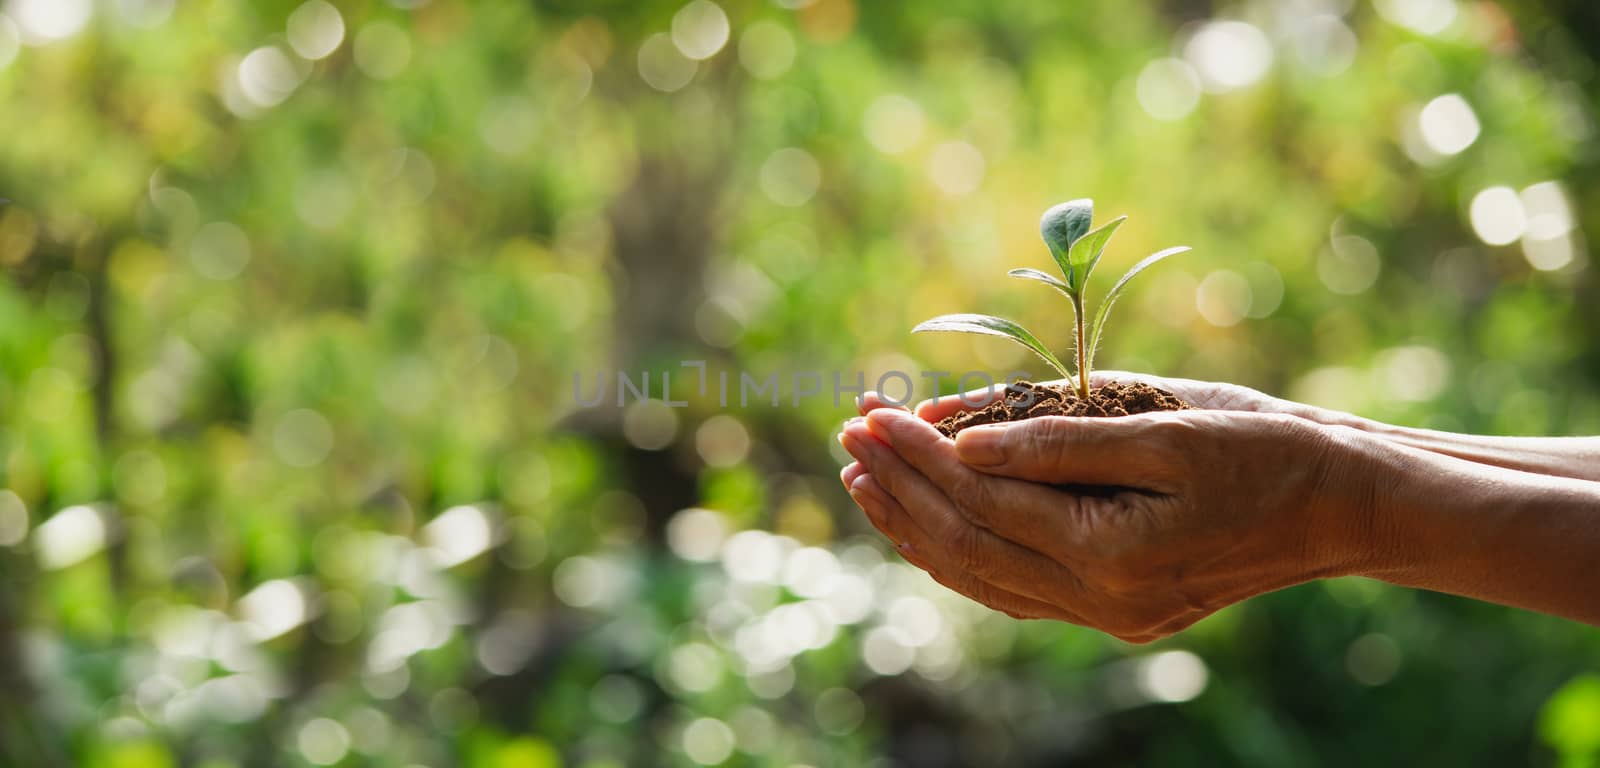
x,y
1083,360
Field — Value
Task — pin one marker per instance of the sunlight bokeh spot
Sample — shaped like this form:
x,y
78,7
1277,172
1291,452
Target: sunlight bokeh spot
x,y
650,425
886,651
1373,659
13,518
508,643
323,741
1323,43
267,76
722,441
700,29
1430,17
696,534
315,30
695,667
1266,288
302,438
917,619
1229,55
382,50
1223,298
146,14
1172,676
1413,373
273,608
616,698
589,582
458,534
1448,124
46,21
69,537
10,41
893,123
509,124
956,168
1498,216
753,556
1168,89
790,177
708,741
839,711
1348,264
219,251
767,50
663,66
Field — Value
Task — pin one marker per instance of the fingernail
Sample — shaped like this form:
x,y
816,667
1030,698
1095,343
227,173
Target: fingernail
x,y
851,471
856,446
888,421
860,487
864,436
980,446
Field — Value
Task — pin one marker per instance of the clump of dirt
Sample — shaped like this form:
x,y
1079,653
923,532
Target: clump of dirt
x,y
1025,400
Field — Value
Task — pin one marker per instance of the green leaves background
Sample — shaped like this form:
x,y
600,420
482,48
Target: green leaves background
x,y
462,205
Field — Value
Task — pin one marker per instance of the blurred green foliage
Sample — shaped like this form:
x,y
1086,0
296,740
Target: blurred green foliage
x,y
294,296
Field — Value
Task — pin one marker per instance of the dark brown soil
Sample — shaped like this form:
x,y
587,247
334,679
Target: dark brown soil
x,y
1025,400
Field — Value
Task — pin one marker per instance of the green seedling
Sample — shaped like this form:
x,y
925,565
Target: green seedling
x,y
1076,250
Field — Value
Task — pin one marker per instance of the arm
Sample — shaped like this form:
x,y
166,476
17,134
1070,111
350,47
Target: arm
x,y
1485,531
1574,457
1570,457
1140,526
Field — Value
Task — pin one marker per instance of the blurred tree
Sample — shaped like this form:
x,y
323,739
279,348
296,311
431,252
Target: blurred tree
x,y
294,294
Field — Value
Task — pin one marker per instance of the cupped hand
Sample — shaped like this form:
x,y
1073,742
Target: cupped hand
x,y
1138,526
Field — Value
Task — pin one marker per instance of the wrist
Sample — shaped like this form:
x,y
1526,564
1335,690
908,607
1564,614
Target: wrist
x,y
1506,536
1351,520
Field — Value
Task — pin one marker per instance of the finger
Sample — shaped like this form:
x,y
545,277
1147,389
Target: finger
x,y
941,406
883,511
1010,508
1138,451
922,446
850,472
1102,378
955,541
890,517
871,401
1010,603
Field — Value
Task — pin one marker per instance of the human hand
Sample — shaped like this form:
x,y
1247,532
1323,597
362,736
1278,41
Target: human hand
x,y
1138,526
1210,395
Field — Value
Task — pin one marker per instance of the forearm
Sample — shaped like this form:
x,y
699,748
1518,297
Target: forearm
x,y
1506,536
1574,457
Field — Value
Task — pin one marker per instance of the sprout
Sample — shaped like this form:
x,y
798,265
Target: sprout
x,y
1076,250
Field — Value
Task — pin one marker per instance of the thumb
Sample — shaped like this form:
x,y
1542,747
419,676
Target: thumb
x,y
1124,451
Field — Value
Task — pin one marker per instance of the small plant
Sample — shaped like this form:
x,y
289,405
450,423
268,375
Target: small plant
x,y
1076,250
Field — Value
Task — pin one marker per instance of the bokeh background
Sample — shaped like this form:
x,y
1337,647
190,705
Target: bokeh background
x,y
292,469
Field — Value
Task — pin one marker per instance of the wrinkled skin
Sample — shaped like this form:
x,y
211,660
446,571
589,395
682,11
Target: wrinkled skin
x,y
1137,526
1141,525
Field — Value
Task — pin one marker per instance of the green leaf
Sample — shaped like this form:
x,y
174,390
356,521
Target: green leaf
x,y
992,326
1063,225
1085,253
1047,279
1098,325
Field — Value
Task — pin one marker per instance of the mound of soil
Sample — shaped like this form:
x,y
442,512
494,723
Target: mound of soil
x,y
1025,400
